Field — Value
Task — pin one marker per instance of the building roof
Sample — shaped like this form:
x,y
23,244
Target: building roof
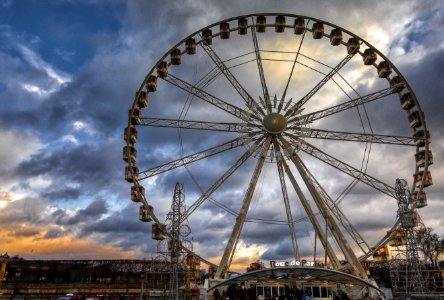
x,y
305,274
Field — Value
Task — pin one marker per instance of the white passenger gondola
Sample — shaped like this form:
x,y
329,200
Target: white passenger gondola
x,y
261,23
151,84
162,69
299,25
137,193
280,23
353,46
207,36
225,30
419,199
176,57
422,139
407,101
190,46
144,213
142,99
335,37
369,56
130,134
242,26
317,30
134,115
414,119
158,231
397,84
129,153
131,173
420,158
417,177
384,69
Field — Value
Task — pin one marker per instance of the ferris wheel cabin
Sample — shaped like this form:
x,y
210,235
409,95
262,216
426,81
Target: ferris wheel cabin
x,y
384,69
420,199
129,153
131,174
421,138
242,26
162,69
225,30
130,133
207,36
261,23
369,56
317,30
335,37
190,46
144,213
280,23
137,193
397,84
158,231
176,57
299,25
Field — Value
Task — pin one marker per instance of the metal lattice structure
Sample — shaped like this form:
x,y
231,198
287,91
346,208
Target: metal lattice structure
x,y
408,270
407,275
176,247
278,106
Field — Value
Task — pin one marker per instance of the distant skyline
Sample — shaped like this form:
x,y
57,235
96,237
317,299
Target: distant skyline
x,y
68,76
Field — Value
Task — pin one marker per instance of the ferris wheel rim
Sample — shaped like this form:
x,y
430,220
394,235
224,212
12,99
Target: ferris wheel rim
x,y
196,33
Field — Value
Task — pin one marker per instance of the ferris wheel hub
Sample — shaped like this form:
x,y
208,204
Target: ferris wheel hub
x,y
274,123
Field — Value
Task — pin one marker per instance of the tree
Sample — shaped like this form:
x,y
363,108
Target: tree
x,y
430,244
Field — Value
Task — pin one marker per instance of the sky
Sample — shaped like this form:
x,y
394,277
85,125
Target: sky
x,y
69,71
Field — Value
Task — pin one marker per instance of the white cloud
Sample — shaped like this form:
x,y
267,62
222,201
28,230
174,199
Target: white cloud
x,y
17,146
39,182
83,126
70,139
57,78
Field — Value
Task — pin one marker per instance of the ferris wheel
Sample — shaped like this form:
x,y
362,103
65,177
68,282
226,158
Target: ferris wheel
x,y
274,121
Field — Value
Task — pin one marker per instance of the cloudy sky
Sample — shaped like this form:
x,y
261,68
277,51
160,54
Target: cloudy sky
x,y
69,71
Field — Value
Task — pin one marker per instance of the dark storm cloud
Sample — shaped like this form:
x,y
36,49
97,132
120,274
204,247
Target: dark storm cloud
x,y
54,234
120,228
58,193
88,166
94,211
26,232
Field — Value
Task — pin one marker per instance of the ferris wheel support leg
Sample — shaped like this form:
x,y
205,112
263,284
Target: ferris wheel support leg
x,y
286,200
356,266
240,220
319,230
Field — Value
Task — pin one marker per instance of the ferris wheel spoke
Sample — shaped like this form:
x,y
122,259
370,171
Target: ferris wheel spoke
x,y
342,166
240,220
249,101
295,108
293,66
234,143
309,118
260,67
213,100
198,125
252,149
286,200
311,215
320,201
334,208
352,136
